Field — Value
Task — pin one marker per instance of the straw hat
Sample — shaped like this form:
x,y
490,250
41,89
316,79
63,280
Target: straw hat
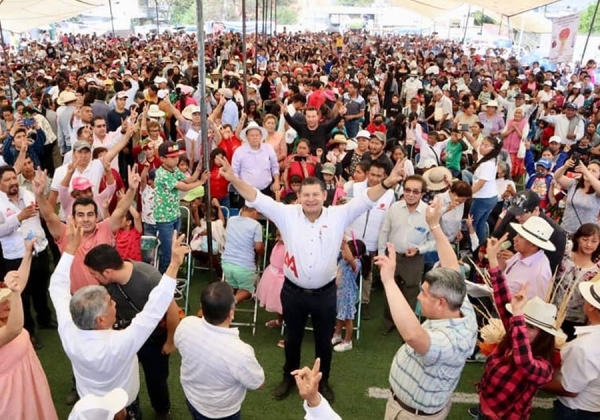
x,y
338,138
155,112
437,178
94,407
537,231
253,126
5,294
189,110
541,315
65,97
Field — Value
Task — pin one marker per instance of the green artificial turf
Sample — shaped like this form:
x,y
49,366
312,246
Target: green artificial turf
x,y
353,372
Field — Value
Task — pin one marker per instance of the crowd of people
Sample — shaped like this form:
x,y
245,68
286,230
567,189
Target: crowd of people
x,y
464,182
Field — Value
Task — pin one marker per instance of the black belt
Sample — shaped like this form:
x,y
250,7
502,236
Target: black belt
x,y
294,286
412,410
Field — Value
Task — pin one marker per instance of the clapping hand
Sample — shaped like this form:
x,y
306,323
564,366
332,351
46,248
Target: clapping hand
x,y
307,381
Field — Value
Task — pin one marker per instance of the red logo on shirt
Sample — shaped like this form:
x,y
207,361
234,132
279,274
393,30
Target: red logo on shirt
x,y
290,262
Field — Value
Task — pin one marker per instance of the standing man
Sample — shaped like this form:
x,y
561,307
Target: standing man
x,y
129,284
312,235
69,101
19,218
406,228
442,115
367,226
355,109
231,112
377,153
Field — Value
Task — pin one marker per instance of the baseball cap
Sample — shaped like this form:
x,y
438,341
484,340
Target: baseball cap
x,y
571,105
524,202
328,168
546,163
122,94
379,136
80,145
363,134
554,139
169,149
227,93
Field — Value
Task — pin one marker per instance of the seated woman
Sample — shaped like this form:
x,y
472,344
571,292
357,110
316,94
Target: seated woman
x,y
23,384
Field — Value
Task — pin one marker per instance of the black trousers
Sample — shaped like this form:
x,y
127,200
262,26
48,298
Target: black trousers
x,y
36,291
297,304
408,276
156,370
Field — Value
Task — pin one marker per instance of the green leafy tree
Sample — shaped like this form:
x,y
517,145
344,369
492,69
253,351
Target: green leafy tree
x,y
480,18
286,15
585,20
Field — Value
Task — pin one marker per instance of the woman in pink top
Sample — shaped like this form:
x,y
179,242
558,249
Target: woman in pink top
x,y
514,133
275,138
23,384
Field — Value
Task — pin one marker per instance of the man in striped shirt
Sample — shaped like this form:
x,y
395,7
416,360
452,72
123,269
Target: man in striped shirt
x,y
426,369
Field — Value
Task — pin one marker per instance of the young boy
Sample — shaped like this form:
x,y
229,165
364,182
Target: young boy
x,y
147,196
328,177
540,178
454,151
169,181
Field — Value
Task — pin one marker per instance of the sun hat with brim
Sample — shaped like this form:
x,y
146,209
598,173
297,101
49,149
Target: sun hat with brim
x,y
328,168
158,80
197,192
65,97
185,89
5,294
541,315
537,231
590,290
170,149
155,112
351,145
93,407
492,103
253,126
81,184
189,111
437,178
338,138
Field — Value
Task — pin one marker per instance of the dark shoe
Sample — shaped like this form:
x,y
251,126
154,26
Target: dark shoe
x,y
72,397
474,411
36,343
284,388
365,313
326,391
163,416
50,325
387,330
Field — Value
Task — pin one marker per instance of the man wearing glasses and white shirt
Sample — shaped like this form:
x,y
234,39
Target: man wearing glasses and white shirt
x,y
312,235
405,227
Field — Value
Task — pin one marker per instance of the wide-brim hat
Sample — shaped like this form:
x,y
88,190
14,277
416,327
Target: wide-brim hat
x,y
590,290
537,231
338,138
437,178
351,145
155,112
541,315
5,294
65,97
253,126
189,110
92,406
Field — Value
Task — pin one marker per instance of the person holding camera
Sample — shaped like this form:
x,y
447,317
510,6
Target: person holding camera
x,y
583,194
18,139
129,284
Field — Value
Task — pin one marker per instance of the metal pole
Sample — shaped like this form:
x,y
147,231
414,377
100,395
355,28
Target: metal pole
x,y
204,128
244,54
264,17
256,38
157,23
112,19
275,21
271,19
481,22
5,56
467,25
590,31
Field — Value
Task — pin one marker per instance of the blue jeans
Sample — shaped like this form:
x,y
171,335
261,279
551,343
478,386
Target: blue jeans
x,y
197,416
165,236
149,230
352,128
480,210
562,412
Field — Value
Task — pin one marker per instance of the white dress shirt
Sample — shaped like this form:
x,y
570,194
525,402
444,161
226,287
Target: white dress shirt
x,y
311,248
103,360
580,369
323,411
216,367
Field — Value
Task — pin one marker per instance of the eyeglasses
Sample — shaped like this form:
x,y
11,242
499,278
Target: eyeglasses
x,y
411,191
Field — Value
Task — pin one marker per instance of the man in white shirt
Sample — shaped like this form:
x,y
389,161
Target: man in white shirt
x,y
103,358
411,86
443,114
367,226
216,366
568,126
312,235
405,227
578,385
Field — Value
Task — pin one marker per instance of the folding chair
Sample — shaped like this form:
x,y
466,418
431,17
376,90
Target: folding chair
x,y
225,211
242,306
182,290
150,247
185,221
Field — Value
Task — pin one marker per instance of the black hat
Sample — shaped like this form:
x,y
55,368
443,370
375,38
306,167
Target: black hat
x,y
524,202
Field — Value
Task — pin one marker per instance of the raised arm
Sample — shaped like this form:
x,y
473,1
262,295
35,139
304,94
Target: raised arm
x,y
445,251
123,207
130,129
247,191
397,175
502,294
560,177
55,226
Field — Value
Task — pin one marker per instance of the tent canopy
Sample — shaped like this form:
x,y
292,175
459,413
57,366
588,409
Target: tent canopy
x,y
22,15
442,8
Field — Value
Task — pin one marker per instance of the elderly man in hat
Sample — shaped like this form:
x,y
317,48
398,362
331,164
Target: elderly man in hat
x,y
578,385
256,162
69,101
524,205
568,126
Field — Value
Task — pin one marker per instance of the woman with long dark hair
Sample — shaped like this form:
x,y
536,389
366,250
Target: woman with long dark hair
x,y
485,196
522,362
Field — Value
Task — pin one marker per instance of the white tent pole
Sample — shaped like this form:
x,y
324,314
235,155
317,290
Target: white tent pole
x,y
467,24
587,39
521,33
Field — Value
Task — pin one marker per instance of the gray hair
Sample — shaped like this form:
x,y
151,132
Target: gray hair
x,y
503,166
87,304
448,284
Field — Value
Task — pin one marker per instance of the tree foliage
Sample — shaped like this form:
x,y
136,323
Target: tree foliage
x,y
479,18
586,18
286,15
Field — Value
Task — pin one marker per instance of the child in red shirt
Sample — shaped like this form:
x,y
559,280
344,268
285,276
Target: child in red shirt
x,y
219,186
128,239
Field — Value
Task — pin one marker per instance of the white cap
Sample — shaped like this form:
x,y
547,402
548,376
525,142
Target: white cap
x,y
92,407
158,80
554,139
363,134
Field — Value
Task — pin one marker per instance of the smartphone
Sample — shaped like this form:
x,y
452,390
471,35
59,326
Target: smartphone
x,y
464,127
575,157
28,122
299,158
464,225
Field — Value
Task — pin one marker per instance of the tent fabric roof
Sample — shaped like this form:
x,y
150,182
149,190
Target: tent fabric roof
x,y
22,15
508,8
